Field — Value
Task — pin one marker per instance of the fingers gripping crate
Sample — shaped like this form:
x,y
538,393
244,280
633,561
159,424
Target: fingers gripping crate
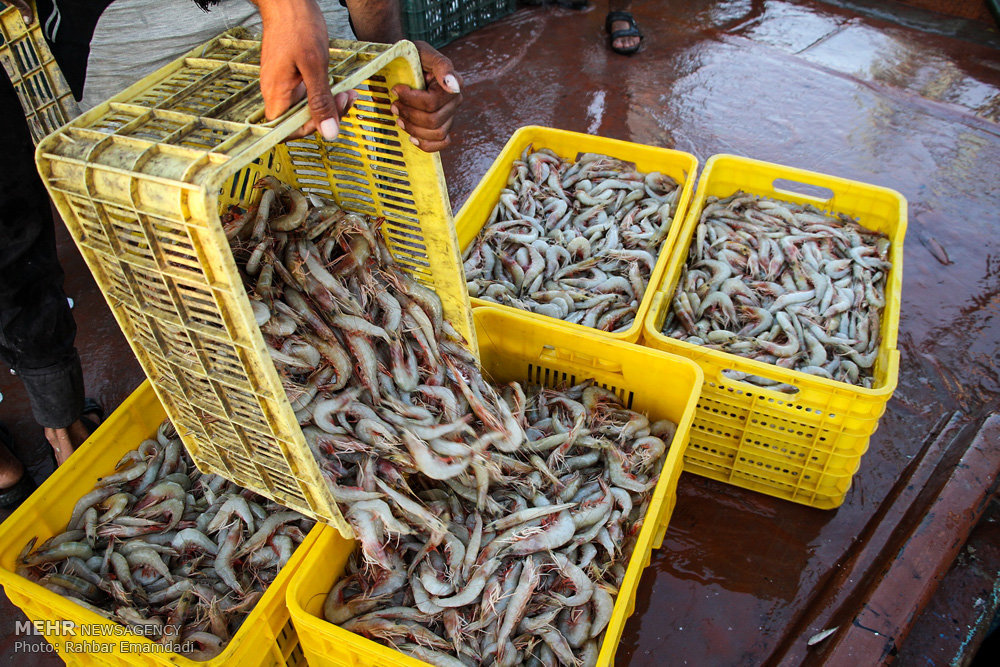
x,y
475,213
514,347
41,87
266,638
140,181
804,446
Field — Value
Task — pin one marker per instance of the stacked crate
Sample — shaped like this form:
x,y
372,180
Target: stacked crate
x,y
440,22
807,445
39,83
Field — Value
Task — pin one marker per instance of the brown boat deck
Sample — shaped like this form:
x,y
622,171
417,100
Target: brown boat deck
x,y
883,93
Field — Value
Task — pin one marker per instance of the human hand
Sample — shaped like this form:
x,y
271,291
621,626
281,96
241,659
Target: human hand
x,y
23,6
427,114
294,63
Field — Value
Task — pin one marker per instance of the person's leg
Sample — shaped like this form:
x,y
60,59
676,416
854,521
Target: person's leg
x,y
628,43
15,485
11,470
36,325
64,441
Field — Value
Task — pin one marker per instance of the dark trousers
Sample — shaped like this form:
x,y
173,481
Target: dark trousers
x,y
36,324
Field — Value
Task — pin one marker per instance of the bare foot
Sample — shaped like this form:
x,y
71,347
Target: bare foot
x,y
623,42
64,441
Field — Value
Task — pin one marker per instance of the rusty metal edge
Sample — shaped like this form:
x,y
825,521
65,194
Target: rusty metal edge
x,y
875,596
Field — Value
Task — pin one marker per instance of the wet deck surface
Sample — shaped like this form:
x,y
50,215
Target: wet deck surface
x,y
743,578
901,99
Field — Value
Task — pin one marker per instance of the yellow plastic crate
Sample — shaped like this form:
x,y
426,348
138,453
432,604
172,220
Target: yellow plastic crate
x,y
266,637
515,347
806,446
140,181
680,166
41,87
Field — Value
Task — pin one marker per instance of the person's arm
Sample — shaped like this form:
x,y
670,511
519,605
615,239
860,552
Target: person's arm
x,y
294,63
376,20
425,114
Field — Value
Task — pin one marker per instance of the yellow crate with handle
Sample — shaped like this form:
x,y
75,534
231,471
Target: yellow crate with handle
x,y
266,638
807,445
681,166
515,347
140,181
41,88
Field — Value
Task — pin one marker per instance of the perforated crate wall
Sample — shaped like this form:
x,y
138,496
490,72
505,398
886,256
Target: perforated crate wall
x,y
805,445
802,452
41,87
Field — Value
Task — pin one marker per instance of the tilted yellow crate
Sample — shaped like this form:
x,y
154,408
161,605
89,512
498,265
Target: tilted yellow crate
x,y
140,181
41,87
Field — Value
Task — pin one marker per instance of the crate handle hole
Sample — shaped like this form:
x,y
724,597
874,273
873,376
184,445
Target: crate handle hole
x,y
798,188
551,353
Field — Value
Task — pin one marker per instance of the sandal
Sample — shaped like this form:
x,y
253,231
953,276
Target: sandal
x,y
14,495
631,31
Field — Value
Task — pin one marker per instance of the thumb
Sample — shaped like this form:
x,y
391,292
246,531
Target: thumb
x,y
440,68
322,106
27,14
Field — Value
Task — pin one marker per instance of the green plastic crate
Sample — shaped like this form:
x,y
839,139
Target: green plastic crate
x,y
439,22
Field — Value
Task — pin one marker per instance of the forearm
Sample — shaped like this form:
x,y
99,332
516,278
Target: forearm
x,y
375,20
282,10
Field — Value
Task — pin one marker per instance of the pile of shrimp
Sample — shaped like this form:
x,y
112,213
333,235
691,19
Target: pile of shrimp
x,y
575,240
177,556
786,284
494,524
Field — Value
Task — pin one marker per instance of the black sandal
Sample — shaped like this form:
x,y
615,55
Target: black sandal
x,y
13,496
631,31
